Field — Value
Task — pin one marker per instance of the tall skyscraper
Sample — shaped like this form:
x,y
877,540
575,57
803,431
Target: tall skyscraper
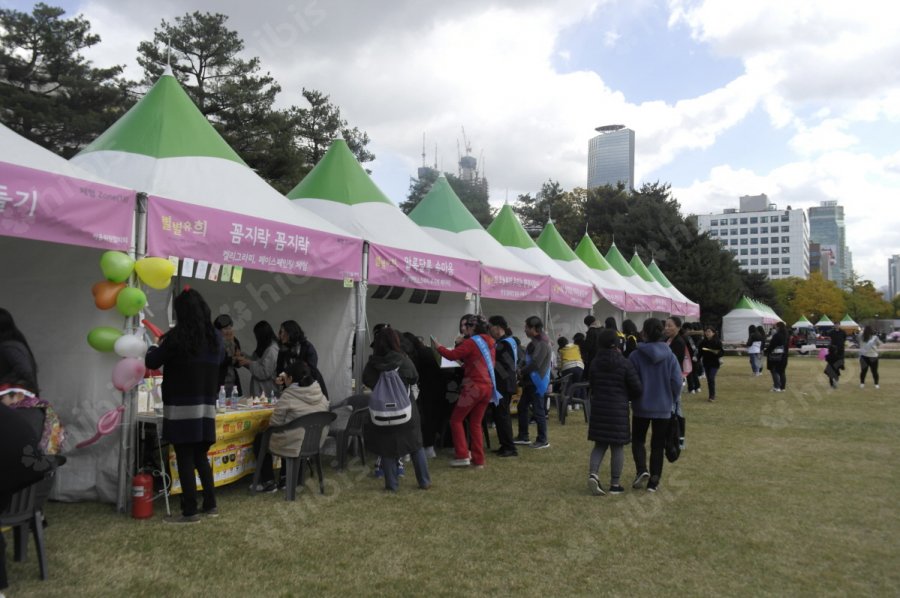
x,y
826,227
611,157
893,276
762,238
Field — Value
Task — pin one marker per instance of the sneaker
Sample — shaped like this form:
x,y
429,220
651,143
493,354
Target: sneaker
x,y
507,453
640,479
712,399
616,489
183,519
459,462
652,486
862,385
213,512
594,485
537,444
378,473
401,470
877,387
521,441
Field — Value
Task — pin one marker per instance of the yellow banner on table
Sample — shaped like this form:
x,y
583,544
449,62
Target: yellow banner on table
x,y
232,455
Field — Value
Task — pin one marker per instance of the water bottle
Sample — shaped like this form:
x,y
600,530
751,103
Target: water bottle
x,y
271,397
234,397
220,402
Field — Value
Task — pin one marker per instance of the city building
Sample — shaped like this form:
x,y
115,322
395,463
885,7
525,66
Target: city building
x,y
893,276
762,238
611,157
821,259
826,227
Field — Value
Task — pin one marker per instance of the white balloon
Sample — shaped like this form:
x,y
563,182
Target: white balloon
x,y
129,345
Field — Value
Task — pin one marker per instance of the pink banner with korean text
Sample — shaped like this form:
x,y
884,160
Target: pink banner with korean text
x,y
662,304
411,269
46,206
497,283
616,297
219,237
570,293
638,302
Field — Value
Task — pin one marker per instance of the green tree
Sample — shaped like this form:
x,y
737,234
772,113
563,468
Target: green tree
x,y
896,303
758,286
864,301
49,93
566,208
473,194
320,123
785,293
816,296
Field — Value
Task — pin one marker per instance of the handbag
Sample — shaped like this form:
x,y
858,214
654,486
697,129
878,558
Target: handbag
x,y
673,439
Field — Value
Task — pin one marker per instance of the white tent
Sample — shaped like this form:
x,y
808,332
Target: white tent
x,y
692,309
508,286
53,229
651,299
405,264
747,312
632,304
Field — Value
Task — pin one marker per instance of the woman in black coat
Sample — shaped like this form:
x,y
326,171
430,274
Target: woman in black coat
x,y
393,442
190,355
294,346
777,357
614,383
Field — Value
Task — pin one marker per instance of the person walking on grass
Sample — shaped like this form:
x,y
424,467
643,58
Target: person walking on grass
x,y
776,352
189,355
868,355
614,383
676,342
754,350
835,357
478,389
535,377
711,353
660,375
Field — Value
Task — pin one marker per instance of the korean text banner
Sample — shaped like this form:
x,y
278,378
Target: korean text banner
x,y
184,230
615,296
497,283
52,207
570,293
402,268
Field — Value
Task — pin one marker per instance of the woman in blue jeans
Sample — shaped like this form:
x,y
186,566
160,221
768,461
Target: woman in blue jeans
x,y
711,353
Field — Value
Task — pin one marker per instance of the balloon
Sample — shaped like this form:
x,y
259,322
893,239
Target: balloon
x,y
128,373
130,301
116,266
153,328
105,293
108,422
103,338
129,345
155,272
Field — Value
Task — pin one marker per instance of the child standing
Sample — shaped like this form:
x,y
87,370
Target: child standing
x,y
614,382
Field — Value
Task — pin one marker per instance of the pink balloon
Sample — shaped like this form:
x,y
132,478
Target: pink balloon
x,y
108,422
128,373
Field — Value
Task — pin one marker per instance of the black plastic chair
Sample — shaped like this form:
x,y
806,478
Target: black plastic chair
x,y
26,509
569,399
558,396
354,432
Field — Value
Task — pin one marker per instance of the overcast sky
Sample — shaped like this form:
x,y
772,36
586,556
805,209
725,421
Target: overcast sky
x,y
797,99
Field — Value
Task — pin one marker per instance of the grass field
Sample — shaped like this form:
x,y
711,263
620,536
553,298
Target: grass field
x,y
778,494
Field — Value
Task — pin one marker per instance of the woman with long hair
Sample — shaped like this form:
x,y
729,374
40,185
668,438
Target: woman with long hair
x,y
190,355
17,363
868,355
660,374
262,363
631,337
711,352
393,442
294,346
228,369
776,352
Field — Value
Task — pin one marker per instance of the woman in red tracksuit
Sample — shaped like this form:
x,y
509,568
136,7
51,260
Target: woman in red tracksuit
x,y
476,391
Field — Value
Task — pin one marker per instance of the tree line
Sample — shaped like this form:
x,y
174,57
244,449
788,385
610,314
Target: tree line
x,y
52,95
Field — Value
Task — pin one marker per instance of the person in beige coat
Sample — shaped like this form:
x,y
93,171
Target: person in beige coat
x,y
302,395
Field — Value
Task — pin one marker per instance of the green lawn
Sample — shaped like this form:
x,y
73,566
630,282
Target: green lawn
x,y
787,494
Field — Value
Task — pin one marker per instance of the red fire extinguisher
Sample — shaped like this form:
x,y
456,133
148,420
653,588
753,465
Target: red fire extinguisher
x,y
142,496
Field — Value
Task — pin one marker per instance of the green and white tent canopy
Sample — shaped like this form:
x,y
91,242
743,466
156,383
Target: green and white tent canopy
x,y
503,275
802,323
745,313
693,309
847,323
824,321
566,288
650,298
402,254
588,253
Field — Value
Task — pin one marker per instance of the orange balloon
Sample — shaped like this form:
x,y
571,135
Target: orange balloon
x,y
105,293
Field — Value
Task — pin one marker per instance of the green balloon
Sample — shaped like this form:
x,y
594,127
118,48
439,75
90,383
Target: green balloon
x,y
103,338
116,266
130,301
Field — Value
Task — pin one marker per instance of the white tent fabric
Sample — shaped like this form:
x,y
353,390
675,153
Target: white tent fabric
x,y
747,312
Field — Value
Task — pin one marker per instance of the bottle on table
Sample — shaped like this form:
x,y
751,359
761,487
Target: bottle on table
x,y
234,397
220,402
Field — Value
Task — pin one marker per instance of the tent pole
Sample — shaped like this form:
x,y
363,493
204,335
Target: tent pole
x,y
359,338
126,438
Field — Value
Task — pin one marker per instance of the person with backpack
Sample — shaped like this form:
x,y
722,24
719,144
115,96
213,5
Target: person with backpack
x,y
614,384
660,374
390,369
478,389
509,354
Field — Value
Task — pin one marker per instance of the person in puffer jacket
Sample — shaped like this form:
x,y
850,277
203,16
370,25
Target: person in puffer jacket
x,y
660,374
614,383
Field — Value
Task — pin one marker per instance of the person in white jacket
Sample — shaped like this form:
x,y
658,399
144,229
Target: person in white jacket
x,y
263,361
868,355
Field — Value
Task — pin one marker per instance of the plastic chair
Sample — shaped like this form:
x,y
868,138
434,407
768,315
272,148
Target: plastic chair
x,y
558,396
570,398
353,432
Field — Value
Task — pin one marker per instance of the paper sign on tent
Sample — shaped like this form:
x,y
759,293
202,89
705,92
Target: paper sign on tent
x,y
237,274
214,272
202,265
187,266
226,273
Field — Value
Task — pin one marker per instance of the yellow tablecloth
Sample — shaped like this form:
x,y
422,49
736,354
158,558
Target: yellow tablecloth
x,y
232,454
